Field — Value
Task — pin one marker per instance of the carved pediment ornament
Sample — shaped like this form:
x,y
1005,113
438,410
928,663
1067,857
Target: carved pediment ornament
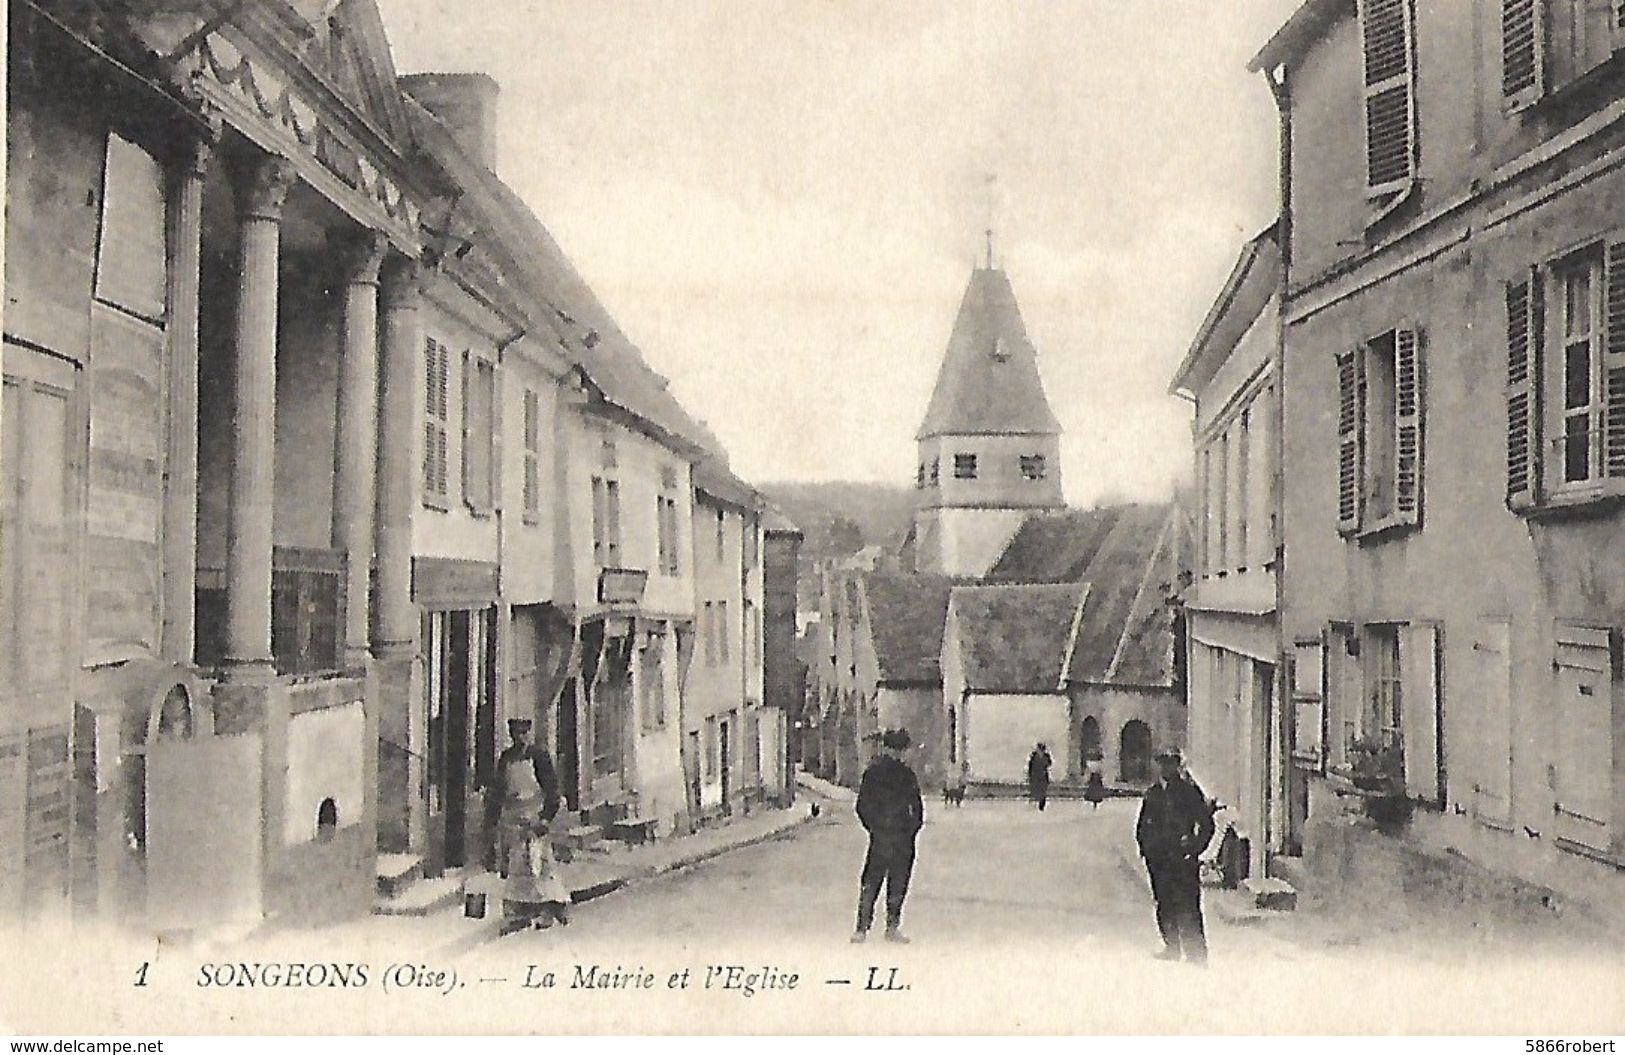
x,y
277,103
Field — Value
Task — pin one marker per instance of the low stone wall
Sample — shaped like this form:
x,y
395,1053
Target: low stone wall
x,y
1346,858
323,881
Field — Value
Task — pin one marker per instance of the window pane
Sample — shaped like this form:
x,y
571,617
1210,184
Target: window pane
x,y
1577,375
1576,448
1577,303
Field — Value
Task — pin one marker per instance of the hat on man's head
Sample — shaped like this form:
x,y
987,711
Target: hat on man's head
x,y
1171,755
895,739
519,725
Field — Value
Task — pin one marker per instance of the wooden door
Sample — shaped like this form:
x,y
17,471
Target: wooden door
x,y
41,480
1490,683
1585,757
455,707
727,764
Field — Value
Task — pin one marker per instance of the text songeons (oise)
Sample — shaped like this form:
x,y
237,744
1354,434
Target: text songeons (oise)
x,y
741,979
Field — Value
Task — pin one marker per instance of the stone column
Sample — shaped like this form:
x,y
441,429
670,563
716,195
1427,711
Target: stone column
x,y
396,623
357,440
261,188
185,223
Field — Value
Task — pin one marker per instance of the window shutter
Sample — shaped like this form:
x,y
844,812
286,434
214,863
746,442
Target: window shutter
x,y
468,389
1619,25
1524,325
1613,362
1390,113
430,365
435,368
442,460
494,462
1419,719
529,446
1408,399
1350,415
1523,52
599,518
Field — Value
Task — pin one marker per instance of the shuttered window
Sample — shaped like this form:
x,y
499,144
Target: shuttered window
x,y
1379,433
1350,412
479,433
1419,722
1386,28
1524,330
606,522
666,535
533,455
1523,52
1565,395
437,377
1614,355
1407,426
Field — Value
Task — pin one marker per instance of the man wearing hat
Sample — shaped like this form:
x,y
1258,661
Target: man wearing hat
x,y
1175,826
890,808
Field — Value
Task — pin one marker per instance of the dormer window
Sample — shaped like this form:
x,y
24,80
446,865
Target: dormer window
x,y
1032,466
964,467
1001,351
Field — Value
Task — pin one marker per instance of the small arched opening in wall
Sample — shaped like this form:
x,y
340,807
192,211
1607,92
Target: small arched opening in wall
x,y
1134,752
174,719
327,820
165,709
1089,750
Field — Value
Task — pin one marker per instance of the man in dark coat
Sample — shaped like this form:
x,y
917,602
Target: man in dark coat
x,y
890,808
1175,826
1038,764
516,797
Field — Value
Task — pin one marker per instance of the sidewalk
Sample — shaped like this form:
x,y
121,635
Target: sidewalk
x,y
825,789
448,933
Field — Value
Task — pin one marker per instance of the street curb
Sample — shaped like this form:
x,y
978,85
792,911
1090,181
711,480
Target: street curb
x,y
581,895
653,871
819,786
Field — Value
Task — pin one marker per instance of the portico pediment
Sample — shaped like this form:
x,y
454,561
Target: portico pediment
x,y
312,79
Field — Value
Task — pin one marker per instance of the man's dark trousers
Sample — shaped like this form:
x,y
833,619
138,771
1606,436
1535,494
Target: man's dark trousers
x,y
1176,887
890,862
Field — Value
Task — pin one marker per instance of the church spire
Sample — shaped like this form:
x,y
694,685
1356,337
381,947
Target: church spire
x,y
989,381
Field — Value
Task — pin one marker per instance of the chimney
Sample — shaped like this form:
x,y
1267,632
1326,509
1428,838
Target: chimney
x,y
466,103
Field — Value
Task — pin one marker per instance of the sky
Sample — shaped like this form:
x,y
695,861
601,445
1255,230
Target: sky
x,y
780,203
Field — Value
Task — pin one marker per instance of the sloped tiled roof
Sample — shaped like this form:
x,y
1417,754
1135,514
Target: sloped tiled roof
x,y
1128,555
907,613
776,522
1055,547
1123,581
989,380
560,299
713,478
1013,639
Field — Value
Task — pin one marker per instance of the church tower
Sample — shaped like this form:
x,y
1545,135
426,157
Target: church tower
x,y
989,447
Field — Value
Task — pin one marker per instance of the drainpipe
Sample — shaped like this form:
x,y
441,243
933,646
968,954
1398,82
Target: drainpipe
x,y
1283,729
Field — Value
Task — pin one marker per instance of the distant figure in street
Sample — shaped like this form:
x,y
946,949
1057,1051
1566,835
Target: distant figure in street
x,y
1095,788
890,808
1175,826
1038,764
